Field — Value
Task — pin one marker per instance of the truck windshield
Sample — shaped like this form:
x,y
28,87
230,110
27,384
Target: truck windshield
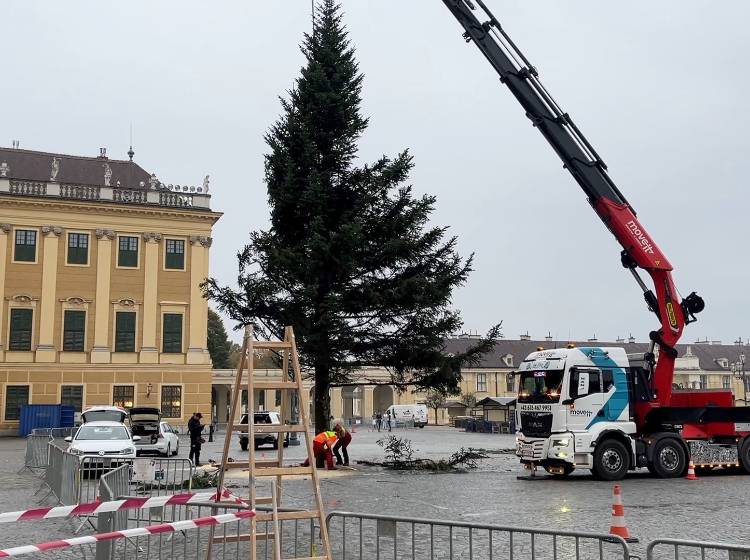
x,y
540,386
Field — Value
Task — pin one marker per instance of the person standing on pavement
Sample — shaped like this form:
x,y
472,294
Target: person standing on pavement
x,y
343,439
379,419
196,440
388,413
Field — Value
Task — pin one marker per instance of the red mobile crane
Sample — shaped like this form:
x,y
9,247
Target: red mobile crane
x,y
656,410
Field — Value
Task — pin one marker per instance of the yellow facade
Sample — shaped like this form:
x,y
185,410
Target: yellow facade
x,y
51,284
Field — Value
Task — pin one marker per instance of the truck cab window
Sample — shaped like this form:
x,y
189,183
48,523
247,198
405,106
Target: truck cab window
x,y
584,382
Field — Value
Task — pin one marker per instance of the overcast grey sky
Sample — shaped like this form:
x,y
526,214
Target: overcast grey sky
x,y
658,87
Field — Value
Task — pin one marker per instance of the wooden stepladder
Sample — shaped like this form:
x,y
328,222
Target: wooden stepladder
x,y
271,468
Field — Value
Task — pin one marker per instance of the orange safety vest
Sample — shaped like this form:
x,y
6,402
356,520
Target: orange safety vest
x,y
326,437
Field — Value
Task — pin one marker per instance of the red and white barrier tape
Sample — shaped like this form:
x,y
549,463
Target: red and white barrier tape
x,y
94,508
129,533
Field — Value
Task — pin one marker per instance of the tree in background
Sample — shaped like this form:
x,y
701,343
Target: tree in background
x,y
435,400
218,341
349,260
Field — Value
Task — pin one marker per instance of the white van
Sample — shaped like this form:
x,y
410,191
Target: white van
x,y
403,413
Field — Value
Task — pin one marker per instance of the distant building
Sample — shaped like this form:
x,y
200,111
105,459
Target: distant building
x,y
700,365
99,286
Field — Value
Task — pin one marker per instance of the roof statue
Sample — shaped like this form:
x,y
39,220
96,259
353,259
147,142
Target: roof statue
x,y
55,169
205,184
4,169
107,175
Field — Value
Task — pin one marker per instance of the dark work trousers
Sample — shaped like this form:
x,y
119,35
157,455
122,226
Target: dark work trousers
x,y
342,444
195,452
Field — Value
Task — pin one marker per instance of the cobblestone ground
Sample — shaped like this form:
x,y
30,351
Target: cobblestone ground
x,y
713,508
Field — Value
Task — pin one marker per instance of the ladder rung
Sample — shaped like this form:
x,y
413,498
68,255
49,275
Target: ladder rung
x,y
282,471
271,344
286,385
246,464
270,428
288,515
246,537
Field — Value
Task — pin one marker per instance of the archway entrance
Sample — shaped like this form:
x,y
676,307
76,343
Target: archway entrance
x,y
382,398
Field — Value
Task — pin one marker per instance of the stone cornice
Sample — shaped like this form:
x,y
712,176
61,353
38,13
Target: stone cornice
x,y
111,208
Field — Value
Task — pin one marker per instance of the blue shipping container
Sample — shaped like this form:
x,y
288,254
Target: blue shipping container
x,y
45,416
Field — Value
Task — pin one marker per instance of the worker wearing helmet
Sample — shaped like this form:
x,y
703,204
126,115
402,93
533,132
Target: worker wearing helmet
x,y
343,439
322,446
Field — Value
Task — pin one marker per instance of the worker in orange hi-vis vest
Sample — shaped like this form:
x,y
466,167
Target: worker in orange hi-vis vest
x,y
323,445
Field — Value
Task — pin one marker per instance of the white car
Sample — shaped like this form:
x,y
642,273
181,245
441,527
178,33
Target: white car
x,y
104,413
103,439
156,436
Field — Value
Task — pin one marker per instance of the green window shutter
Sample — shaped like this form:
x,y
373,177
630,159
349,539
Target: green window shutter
x,y
127,254
25,246
15,397
175,254
125,331
72,395
78,248
21,325
172,333
74,331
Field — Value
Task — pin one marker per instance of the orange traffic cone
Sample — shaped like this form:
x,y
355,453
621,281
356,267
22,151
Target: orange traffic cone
x,y
618,527
691,471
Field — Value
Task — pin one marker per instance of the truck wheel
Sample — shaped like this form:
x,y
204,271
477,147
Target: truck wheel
x,y
670,460
611,460
745,455
243,444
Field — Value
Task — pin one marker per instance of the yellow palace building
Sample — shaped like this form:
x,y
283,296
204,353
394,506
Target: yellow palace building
x,y
100,266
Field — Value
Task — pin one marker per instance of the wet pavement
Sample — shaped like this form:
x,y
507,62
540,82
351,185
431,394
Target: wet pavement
x,y
716,507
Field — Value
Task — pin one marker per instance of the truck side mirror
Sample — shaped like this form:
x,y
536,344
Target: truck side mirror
x,y
567,401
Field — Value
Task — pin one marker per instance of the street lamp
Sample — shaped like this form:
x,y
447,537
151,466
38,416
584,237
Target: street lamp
x,y
738,368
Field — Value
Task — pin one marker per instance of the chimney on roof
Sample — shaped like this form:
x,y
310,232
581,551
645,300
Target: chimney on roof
x,y
738,342
631,339
620,340
103,153
548,338
593,339
16,144
525,336
716,342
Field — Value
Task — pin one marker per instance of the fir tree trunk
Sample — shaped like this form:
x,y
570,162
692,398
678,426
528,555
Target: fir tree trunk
x,y
322,398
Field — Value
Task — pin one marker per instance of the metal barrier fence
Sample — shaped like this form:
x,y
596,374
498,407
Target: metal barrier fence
x,y
151,476
297,537
687,550
380,537
54,433
60,475
36,457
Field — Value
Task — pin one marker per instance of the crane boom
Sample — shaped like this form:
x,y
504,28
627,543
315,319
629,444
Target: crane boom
x,y
590,172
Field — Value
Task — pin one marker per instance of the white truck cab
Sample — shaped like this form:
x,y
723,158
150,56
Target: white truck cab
x,y
567,399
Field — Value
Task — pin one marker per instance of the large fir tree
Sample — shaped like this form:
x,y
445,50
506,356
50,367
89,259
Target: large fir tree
x,y
218,341
349,259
